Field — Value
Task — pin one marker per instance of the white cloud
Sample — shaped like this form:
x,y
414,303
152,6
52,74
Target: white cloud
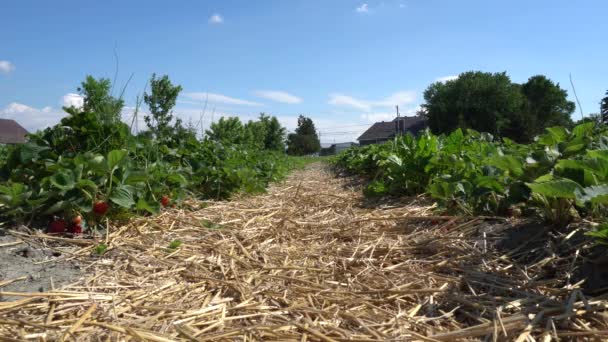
x,y
348,101
72,99
216,19
6,67
219,98
446,78
375,117
401,98
32,118
278,96
362,9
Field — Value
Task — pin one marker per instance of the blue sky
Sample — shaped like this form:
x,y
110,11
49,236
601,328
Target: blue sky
x,y
344,63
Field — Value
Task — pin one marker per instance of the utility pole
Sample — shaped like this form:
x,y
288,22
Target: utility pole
x,y
398,123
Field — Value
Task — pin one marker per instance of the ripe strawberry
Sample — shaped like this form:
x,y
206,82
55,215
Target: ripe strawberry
x,y
77,219
164,201
100,208
56,227
76,229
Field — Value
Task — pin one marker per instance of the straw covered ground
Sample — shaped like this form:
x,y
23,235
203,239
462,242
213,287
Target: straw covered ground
x,y
312,260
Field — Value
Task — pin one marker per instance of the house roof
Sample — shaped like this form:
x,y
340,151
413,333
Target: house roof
x,y
386,130
379,130
11,132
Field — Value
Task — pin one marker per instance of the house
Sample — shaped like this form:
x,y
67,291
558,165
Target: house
x,y
336,148
11,132
383,131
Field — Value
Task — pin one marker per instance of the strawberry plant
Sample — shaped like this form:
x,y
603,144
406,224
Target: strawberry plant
x,y
562,175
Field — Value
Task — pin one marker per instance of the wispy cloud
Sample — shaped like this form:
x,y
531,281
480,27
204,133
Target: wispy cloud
x,y
375,117
6,67
219,98
362,9
278,96
216,19
348,101
446,78
401,98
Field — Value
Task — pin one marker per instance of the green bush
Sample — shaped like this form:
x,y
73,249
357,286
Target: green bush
x,y
91,157
564,173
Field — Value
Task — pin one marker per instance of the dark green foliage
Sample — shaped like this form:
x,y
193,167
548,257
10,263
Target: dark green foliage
x,y
604,109
98,99
97,126
101,249
228,130
545,105
490,102
275,133
92,157
305,140
161,101
174,244
266,133
562,175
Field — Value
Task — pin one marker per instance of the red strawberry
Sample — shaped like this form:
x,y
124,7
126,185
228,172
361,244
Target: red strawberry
x,y
164,201
77,219
56,227
76,229
100,208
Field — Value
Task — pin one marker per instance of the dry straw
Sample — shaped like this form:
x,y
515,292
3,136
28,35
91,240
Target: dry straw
x,y
307,261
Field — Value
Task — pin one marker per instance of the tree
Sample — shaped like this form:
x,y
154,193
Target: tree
x,y
479,100
490,102
274,133
97,99
545,105
160,101
305,140
604,109
95,126
228,131
266,133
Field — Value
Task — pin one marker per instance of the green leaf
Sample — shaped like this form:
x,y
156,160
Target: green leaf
x,y
63,180
30,152
142,204
395,160
600,233
583,129
177,178
123,197
558,188
600,154
507,163
87,184
599,167
554,136
56,207
115,157
596,194
134,177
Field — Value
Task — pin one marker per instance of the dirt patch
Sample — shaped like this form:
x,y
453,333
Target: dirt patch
x,y
31,268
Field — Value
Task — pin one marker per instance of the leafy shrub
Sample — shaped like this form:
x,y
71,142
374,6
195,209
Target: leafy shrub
x,y
91,160
563,174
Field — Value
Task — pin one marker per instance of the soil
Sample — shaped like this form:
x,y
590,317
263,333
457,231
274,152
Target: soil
x,y
39,268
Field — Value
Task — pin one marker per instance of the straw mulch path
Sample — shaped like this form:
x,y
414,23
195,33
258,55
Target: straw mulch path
x,y
308,261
